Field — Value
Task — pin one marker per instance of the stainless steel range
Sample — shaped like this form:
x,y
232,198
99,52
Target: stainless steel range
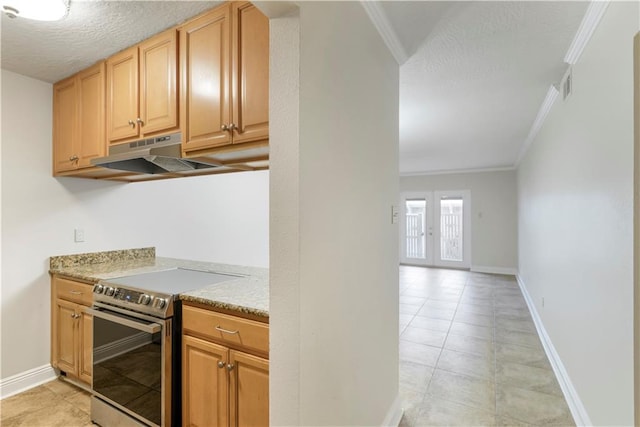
x,y
136,346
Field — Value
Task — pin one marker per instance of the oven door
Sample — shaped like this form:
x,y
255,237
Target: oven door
x,y
130,354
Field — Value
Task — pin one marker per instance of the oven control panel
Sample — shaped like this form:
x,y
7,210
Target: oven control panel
x,y
123,297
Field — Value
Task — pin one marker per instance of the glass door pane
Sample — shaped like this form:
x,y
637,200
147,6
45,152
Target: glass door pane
x,y
451,229
415,219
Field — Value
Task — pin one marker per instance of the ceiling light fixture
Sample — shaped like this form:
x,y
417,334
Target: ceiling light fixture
x,y
40,10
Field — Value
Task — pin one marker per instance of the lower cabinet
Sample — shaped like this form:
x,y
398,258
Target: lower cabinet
x,y
224,383
72,329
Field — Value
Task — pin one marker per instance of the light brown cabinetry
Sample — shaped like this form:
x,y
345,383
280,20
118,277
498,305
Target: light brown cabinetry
x,y
225,370
78,120
71,328
224,63
142,89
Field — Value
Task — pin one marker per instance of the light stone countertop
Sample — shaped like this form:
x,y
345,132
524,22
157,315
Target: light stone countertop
x,y
249,294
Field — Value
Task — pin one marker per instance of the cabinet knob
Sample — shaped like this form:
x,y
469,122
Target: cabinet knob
x,y
224,128
230,367
233,126
139,121
220,364
73,158
132,123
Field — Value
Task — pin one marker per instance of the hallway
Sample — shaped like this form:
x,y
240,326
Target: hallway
x,y
470,353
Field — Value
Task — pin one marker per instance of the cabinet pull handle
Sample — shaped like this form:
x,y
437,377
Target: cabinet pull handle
x,y
75,316
139,121
132,123
220,364
75,292
226,331
230,367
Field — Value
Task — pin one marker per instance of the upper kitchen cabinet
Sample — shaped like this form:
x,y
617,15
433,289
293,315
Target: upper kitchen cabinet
x,y
224,62
78,120
142,89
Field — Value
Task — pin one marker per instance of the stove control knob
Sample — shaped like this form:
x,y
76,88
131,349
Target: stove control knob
x,y
144,299
109,291
160,303
98,289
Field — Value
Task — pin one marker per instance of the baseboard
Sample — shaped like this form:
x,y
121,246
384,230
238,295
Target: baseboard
x,y
120,346
494,270
25,380
574,402
395,414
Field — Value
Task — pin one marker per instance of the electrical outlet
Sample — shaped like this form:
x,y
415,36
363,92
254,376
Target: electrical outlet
x,y
78,235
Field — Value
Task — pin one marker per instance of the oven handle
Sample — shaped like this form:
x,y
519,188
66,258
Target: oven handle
x,y
151,328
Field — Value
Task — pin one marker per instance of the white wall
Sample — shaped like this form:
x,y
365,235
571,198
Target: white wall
x,y
575,190
217,218
338,327
494,213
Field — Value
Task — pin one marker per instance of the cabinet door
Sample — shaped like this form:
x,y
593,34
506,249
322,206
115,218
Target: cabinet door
x,y
92,141
250,73
66,339
65,108
249,390
158,82
205,68
122,95
85,346
205,393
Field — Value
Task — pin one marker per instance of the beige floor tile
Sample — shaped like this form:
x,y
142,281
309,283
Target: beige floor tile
x,y
424,336
469,330
38,397
419,353
439,412
409,309
436,313
471,345
476,392
533,407
510,422
474,319
62,414
406,299
521,325
440,304
522,355
467,364
411,404
431,323
415,376
475,309
512,313
524,339
487,302
527,377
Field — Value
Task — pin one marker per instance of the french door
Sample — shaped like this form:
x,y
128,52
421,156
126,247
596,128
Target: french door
x,y
436,229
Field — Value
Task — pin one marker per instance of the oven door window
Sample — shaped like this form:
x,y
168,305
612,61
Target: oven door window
x,y
127,367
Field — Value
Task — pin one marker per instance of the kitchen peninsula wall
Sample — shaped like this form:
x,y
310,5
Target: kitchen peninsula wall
x,y
221,218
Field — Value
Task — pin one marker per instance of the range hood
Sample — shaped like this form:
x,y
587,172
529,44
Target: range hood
x,y
156,155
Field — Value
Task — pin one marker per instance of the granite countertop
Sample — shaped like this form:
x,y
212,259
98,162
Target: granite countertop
x,y
248,294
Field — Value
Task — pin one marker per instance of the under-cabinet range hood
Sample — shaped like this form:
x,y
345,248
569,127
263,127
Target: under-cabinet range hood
x,y
161,154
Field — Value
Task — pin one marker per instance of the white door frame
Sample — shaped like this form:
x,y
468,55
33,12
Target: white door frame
x,y
432,228
428,227
466,230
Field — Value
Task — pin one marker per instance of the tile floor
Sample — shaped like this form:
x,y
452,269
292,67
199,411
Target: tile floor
x,y
470,353
53,404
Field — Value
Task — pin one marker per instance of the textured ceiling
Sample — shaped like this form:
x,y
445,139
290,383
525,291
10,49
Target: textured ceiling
x,y
472,89
477,74
93,30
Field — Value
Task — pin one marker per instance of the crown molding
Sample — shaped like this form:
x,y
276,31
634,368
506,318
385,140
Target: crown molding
x,y
545,108
588,25
384,27
458,171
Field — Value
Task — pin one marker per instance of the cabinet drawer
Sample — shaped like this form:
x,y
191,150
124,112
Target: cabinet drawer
x,y
229,330
69,290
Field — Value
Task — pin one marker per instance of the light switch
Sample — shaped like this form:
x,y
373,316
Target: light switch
x,y
394,214
78,235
